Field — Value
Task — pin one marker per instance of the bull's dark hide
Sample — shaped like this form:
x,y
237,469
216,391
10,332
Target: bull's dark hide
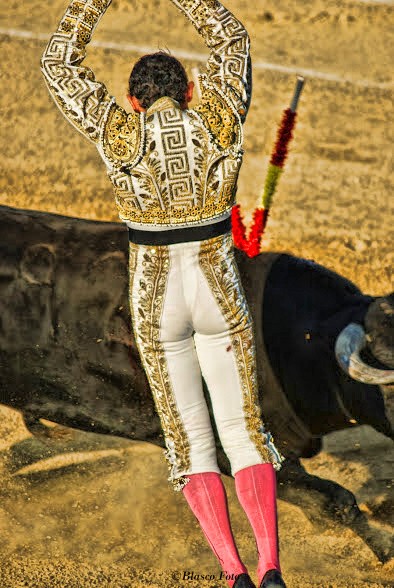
x,y
67,348
68,354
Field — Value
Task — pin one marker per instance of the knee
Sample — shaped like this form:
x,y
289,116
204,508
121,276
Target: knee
x,y
246,446
233,436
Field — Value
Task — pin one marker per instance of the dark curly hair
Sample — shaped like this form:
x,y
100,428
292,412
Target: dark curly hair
x,y
156,75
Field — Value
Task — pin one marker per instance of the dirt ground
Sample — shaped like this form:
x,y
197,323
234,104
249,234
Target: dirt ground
x,y
80,510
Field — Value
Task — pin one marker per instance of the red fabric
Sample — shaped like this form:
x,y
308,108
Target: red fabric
x,y
238,227
206,496
256,491
250,245
256,232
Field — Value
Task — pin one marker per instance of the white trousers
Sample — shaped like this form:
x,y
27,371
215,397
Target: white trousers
x,y
190,317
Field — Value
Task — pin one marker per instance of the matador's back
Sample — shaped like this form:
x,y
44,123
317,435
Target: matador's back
x,y
169,167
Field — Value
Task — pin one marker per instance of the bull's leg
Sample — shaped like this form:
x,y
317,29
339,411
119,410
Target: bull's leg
x,y
48,441
31,449
325,498
337,502
40,430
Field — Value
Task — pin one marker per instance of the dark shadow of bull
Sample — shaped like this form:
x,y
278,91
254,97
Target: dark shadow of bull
x,y
68,354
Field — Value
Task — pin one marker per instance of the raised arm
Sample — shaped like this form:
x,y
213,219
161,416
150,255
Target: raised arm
x,y
229,66
83,100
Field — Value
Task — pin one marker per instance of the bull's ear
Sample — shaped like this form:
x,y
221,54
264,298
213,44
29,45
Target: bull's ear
x,y
350,341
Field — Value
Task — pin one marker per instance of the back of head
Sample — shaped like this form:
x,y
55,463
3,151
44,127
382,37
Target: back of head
x,y
156,75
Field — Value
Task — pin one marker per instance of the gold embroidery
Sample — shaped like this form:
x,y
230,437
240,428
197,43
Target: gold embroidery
x,y
83,34
75,9
189,174
100,5
182,178
220,119
197,12
155,216
163,103
220,269
151,269
82,99
228,67
174,160
67,25
122,136
90,18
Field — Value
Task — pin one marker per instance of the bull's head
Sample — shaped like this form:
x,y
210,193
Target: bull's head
x,y
378,340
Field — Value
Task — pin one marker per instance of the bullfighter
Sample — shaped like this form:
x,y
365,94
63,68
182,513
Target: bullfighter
x,y
174,172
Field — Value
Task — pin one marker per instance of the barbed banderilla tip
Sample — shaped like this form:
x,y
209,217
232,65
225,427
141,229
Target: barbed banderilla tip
x,y
297,93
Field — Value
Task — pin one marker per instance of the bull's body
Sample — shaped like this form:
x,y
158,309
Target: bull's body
x,y
305,308
68,354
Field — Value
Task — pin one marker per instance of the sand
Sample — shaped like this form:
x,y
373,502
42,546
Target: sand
x,y
80,510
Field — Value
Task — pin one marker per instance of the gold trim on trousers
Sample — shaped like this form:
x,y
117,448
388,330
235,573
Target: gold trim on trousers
x,y
190,317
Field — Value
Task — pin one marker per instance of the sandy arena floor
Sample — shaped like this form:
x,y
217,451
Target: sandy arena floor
x,y
96,511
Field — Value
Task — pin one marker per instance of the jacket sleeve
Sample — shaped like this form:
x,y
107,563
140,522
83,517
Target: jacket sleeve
x,y
229,64
84,101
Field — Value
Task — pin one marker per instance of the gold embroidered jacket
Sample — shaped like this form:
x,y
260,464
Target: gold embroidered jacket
x,y
169,167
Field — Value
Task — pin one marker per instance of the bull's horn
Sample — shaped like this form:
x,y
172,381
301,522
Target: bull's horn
x,y
348,345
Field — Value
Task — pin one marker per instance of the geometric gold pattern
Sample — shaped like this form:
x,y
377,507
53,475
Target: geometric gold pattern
x,y
169,167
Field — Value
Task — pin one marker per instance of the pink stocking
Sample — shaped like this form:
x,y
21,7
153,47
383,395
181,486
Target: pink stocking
x,y
256,491
206,496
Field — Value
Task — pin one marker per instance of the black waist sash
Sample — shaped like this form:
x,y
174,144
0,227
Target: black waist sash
x,y
183,235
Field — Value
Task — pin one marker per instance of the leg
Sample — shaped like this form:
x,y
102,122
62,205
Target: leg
x,y
331,502
206,496
226,352
163,333
225,347
256,491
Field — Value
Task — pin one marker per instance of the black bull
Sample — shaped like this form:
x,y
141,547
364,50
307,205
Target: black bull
x,y
68,354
